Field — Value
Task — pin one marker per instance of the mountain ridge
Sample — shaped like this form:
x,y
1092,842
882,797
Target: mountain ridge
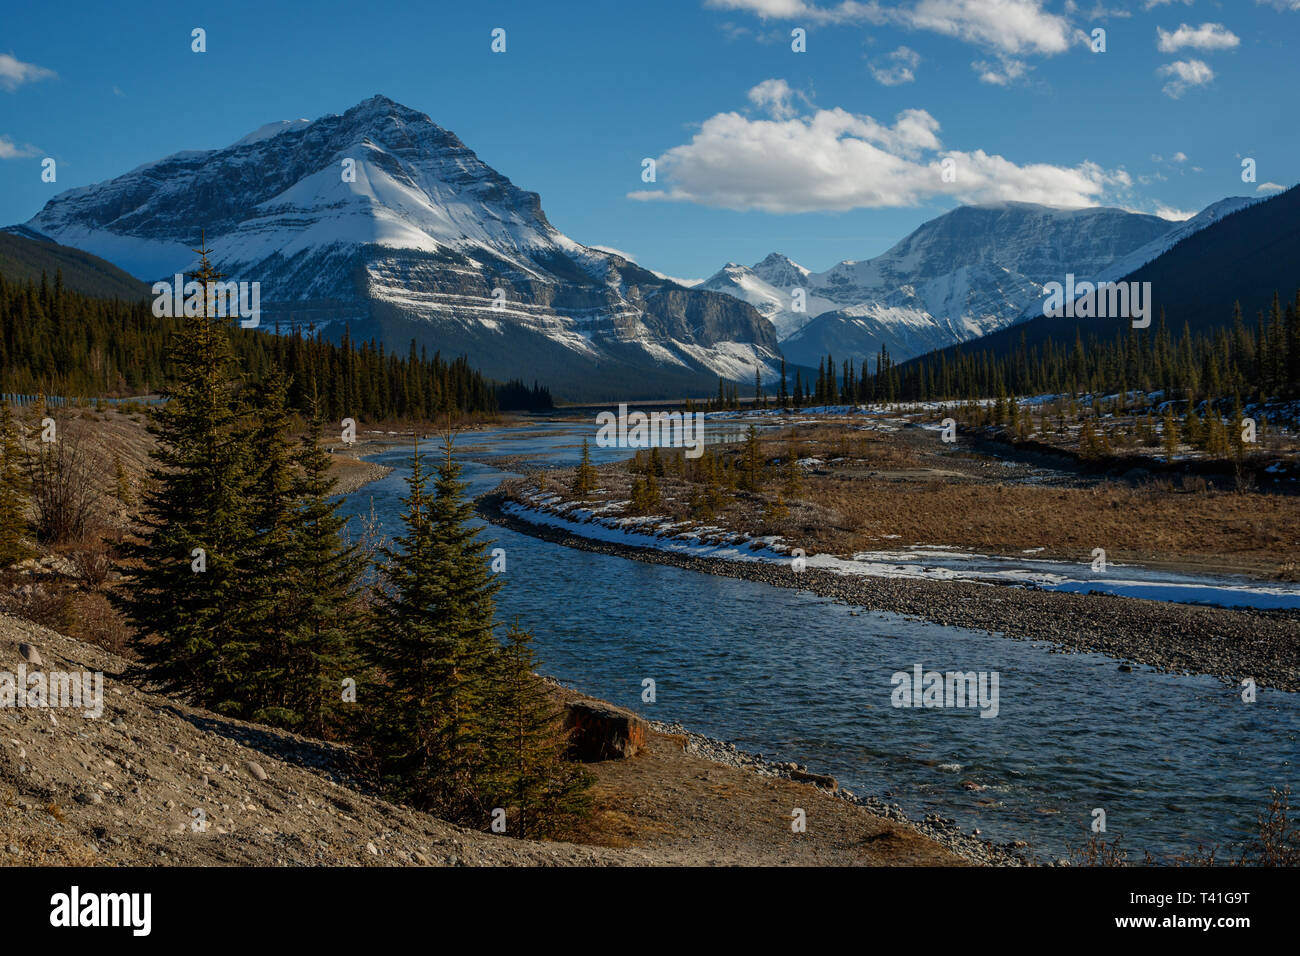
x,y
379,220
954,278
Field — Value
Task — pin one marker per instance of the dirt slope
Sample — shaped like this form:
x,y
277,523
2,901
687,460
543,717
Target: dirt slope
x,y
122,789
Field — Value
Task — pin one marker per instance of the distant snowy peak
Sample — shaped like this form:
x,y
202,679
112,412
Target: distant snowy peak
x,y
1151,251
379,173
964,274
780,271
769,286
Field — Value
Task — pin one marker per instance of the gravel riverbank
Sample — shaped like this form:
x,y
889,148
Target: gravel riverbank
x,y
942,830
1176,638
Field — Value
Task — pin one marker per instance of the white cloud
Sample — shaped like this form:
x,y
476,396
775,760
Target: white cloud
x,y
14,72
1102,12
1151,4
1270,188
1002,73
833,160
1280,4
1172,214
11,150
777,9
1185,74
1208,36
774,96
1180,157
1011,26
899,67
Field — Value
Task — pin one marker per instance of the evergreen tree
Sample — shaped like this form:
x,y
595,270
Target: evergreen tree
x,y
185,599
1169,427
1192,429
434,643
302,611
792,485
527,770
256,665
323,648
584,479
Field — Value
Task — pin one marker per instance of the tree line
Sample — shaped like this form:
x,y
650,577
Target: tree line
x,y
249,596
1234,362
57,342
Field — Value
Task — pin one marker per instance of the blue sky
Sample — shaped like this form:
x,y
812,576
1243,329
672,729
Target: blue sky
x,y
824,155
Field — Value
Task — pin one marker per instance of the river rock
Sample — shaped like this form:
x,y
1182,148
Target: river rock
x,y
601,731
823,780
30,654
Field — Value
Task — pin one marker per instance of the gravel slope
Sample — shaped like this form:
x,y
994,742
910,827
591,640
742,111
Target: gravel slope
x,y
123,788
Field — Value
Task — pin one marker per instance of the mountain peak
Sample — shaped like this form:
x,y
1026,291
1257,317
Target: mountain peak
x,y
381,219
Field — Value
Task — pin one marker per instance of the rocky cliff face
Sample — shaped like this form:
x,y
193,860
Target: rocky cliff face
x,y
382,220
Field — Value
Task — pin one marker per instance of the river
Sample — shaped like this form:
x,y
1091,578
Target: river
x,y
1174,761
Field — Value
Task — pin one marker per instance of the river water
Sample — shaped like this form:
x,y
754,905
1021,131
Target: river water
x,y
1175,762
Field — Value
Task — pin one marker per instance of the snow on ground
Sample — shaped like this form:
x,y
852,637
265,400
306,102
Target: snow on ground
x,y
934,562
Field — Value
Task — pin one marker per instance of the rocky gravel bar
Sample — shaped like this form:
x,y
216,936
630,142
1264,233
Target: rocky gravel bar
x,y
1229,644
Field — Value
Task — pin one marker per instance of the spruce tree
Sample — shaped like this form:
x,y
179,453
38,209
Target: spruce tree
x,y
792,484
751,462
1169,437
256,667
322,648
432,639
584,479
527,769
186,594
301,606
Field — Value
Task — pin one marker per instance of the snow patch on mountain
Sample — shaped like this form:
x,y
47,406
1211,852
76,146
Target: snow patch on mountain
x,y
969,272
380,219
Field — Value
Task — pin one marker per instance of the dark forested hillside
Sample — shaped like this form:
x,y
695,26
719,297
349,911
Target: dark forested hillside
x,y
1256,360
1243,258
24,259
59,342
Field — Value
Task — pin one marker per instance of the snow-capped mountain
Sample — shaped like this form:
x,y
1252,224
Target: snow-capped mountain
x,y
1238,254
1153,250
969,272
380,219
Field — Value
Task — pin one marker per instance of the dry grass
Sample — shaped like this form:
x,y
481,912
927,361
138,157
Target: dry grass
x,y
1259,531
874,490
